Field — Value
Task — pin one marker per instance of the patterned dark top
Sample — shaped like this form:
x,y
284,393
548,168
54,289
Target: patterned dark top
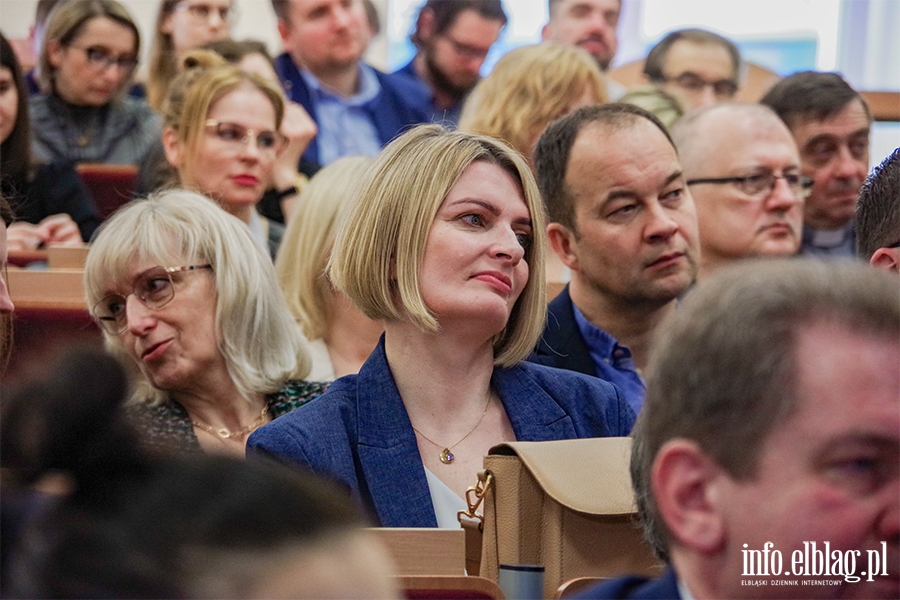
x,y
168,428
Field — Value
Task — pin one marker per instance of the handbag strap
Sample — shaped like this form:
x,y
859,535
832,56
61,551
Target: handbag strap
x,y
474,524
474,498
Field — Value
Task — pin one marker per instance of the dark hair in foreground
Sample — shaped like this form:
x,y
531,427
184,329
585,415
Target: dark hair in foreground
x,y
722,372
138,525
811,95
551,155
878,208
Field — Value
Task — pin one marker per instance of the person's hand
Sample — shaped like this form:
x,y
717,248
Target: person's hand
x,y
299,129
21,236
60,230
55,230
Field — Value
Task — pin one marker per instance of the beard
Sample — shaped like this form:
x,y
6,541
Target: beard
x,y
442,82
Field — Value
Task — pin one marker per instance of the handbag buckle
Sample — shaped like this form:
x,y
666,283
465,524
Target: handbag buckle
x,y
475,496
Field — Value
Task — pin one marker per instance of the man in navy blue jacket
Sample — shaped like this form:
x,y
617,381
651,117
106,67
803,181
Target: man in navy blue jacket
x,y
357,108
623,221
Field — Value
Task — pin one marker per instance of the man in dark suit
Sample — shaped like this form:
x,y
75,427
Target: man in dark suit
x,y
357,108
622,220
766,462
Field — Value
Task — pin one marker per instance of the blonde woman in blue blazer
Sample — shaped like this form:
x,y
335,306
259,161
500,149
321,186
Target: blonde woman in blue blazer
x,y
447,249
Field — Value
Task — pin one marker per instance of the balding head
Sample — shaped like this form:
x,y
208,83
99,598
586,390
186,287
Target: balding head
x,y
720,144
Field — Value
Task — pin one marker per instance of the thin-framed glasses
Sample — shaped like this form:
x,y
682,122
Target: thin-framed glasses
x,y
101,59
154,288
203,12
691,82
237,135
762,184
467,51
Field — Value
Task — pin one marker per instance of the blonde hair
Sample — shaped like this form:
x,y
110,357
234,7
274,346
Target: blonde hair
x,y
67,21
261,343
309,240
380,247
206,78
530,87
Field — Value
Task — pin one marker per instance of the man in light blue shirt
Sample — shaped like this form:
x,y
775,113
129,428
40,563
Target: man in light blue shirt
x,y
623,221
357,108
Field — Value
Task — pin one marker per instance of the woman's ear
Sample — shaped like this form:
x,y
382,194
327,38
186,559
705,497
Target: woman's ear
x,y
55,52
173,148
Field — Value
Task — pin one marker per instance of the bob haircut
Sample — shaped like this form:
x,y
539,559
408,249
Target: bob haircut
x,y
309,240
67,22
528,88
257,336
379,250
207,77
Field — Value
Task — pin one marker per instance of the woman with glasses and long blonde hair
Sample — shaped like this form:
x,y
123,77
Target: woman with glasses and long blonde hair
x,y
87,62
183,293
181,26
221,133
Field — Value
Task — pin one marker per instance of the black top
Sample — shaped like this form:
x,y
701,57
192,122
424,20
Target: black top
x,y
52,188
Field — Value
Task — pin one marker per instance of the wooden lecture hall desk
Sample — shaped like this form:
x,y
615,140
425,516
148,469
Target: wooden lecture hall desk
x,y
51,315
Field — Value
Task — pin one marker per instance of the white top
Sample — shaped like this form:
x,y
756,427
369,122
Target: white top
x,y
322,369
446,503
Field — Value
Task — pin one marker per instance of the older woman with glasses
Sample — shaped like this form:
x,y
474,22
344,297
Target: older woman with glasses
x,y
181,290
445,246
90,52
181,26
222,135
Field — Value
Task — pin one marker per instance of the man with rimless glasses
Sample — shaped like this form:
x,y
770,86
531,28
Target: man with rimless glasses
x,y
695,66
743,170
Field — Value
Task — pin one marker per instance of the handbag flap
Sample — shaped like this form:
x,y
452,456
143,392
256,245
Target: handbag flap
x,y
587,475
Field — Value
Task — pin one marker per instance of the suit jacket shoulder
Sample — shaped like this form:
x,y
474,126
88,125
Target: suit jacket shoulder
x,y
635,588
561,344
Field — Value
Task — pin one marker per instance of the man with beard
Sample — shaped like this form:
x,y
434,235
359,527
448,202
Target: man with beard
x,y
743,170
588,24
830,122
622,219
453,38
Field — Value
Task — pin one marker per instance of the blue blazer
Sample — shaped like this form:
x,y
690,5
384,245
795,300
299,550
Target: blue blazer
x,y
359,433
636,588
400,105
561,344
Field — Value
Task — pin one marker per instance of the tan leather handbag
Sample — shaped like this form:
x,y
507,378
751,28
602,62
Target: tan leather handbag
x,y
567,505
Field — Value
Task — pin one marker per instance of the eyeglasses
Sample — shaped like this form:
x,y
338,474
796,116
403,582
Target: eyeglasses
x,y
466,50
101,59
894,245
693,83
762,184
238,136
203,12
154,288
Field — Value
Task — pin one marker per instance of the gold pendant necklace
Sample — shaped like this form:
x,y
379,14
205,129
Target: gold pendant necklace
x,y
446,456
225,434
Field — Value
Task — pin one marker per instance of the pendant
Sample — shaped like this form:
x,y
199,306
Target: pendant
x,y
447,456
224,433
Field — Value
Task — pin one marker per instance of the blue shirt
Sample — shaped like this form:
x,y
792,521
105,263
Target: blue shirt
x,y
614,362
345,128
